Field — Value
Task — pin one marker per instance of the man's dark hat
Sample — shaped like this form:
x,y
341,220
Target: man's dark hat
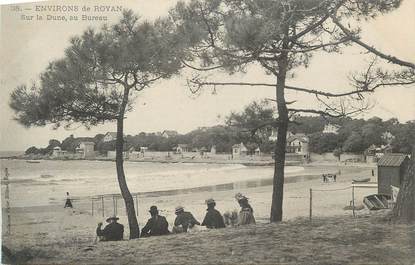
x,y
112,218
153,209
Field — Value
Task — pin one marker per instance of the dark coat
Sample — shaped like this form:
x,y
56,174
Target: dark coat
x,y
156,226
111,232
213,219
186,220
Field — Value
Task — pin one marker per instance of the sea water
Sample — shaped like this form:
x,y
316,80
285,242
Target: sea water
x,y
46,182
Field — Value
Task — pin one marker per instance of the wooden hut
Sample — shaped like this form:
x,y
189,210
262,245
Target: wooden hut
x,y
391,169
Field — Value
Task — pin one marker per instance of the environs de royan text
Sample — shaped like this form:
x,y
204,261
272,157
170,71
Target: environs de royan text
x,y
75,8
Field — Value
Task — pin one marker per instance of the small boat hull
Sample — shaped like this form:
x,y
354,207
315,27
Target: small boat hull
x,y
376,201
361,179
32,161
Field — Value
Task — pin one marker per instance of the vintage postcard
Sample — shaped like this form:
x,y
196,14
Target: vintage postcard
x,y
207,132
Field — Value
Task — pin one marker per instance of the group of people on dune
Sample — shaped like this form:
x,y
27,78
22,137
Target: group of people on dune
x,y
157,225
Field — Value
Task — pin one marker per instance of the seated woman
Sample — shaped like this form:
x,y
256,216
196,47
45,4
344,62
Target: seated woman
x,y
246,215
213,218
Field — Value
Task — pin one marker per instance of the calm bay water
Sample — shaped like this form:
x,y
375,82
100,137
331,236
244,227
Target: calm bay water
x,y
47,182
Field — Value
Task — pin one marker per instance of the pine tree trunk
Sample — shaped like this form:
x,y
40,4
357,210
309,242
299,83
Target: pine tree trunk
x,y
280,146
119,160
404,210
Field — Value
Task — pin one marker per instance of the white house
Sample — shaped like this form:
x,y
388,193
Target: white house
x,y
58,152
298,143
182,148
143,149
239,150
257,151
133,154
213,150
388,137
274,135
109,136
331,128
86,149
169,133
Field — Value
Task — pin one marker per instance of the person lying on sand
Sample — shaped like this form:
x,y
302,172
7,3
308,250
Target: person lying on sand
x,y
112,232
213,218
157,225
184,220
246,215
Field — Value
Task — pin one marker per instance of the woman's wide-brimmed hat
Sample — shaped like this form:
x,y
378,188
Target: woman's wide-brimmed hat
x,y
112,218
178,209
239,197
210,201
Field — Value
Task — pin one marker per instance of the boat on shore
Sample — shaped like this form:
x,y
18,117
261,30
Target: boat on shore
x,y
33,161
361,179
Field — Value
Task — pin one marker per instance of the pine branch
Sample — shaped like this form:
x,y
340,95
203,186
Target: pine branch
x,y
371,49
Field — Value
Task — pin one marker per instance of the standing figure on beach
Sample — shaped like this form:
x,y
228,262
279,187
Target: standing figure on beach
x,y
246,215
68,203
112,232
213,218
157,225
184,220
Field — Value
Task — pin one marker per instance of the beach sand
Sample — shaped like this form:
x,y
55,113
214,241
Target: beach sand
x,y
45,230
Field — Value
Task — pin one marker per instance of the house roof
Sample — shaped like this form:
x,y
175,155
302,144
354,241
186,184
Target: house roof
x,y
299,136
170,132
86,143
111,134
392,160
333,125
241,146
182,145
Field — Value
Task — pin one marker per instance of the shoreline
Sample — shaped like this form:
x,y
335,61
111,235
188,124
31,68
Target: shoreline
x,y
264,182
245,162
294,178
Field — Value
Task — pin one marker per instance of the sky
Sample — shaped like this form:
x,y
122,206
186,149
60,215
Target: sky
x,y
27,46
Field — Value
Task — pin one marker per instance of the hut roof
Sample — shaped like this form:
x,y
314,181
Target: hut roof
x,y
112,134
392,160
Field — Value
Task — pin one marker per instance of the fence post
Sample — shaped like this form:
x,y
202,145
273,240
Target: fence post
x,y
311,203
102,202
136,204
354,214
92,205
113,205
7,197
116,205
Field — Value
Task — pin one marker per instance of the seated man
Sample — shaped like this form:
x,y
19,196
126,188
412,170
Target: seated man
x,y
183,219
213,218
157,225
112,232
